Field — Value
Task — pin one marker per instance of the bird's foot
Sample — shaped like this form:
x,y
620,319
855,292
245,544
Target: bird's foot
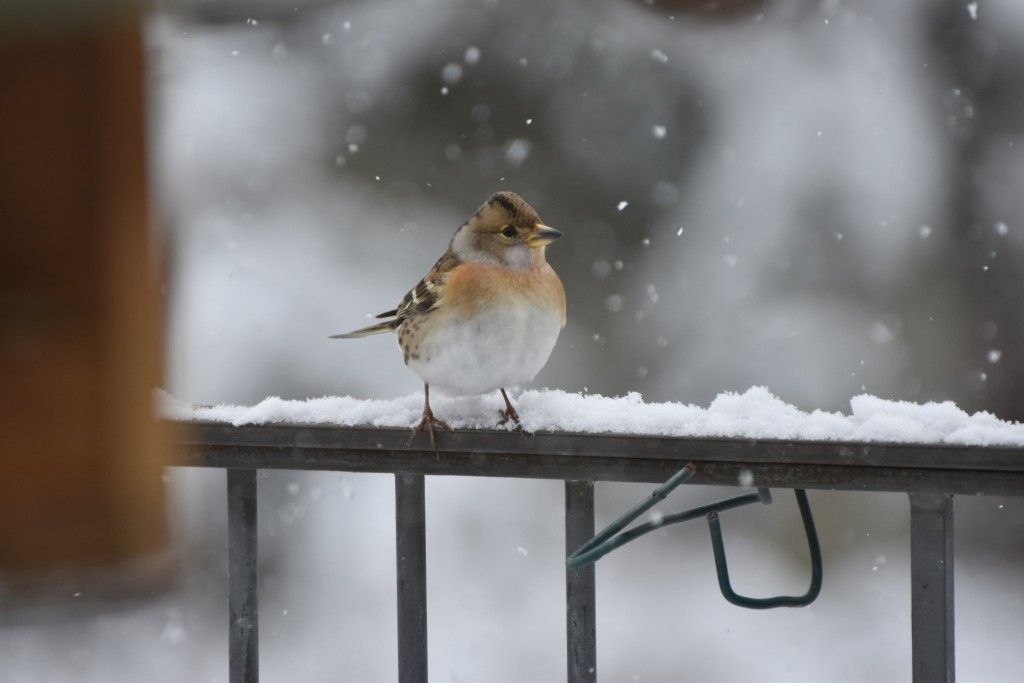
x,y
428,423
509,413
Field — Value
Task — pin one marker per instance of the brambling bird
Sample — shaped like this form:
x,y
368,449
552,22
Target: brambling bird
x,y
487,314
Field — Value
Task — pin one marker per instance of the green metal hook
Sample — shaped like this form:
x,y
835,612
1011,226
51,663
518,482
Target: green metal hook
x,y
607,540
722,566
613,536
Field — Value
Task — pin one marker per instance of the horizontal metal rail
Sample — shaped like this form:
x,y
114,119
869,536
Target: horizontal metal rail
x,y
930,474
911,468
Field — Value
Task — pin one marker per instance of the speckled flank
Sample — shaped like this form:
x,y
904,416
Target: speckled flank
x,y
409,338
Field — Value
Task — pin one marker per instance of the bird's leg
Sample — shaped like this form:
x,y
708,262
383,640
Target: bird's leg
x,y
429,421
509,413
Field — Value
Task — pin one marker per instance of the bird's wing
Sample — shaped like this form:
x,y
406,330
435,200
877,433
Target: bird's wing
x,y
367,331
426,295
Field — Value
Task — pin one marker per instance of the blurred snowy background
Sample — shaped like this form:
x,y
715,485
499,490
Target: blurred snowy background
x,y
820,196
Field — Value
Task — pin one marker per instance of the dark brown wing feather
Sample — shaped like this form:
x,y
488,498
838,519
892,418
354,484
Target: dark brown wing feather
x,y
426,294
420,299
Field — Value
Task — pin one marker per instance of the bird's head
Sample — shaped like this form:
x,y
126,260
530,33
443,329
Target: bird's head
x,y
506,231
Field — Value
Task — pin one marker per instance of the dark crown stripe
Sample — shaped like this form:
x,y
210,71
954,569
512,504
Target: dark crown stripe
x,y
505,203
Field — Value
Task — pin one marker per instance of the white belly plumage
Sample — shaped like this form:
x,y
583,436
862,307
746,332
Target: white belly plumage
x,y
487,351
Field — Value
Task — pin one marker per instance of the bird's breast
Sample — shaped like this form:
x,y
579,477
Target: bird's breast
x,y
474,350
477,286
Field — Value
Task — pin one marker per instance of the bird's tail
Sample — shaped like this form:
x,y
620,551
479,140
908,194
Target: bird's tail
x,y
389,326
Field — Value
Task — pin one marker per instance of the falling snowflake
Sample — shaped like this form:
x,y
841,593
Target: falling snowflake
x,y
451,73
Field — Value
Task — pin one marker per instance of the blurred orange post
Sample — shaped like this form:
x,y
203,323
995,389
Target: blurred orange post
x,y
80,316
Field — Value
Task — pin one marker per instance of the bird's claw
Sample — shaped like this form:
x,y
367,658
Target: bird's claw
x,y
511,414
428,423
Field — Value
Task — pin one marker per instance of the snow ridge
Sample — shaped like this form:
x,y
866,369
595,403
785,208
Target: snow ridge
x,y
753,414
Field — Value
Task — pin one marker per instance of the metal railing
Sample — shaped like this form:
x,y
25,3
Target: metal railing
x,y
930,474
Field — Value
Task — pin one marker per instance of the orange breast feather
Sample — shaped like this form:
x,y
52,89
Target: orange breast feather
x,y
471,286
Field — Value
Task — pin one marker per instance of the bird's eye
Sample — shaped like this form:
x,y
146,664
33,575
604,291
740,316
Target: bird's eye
x,y
509,231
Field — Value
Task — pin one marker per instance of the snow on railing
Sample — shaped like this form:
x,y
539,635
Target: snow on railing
x,y
753,414
930,451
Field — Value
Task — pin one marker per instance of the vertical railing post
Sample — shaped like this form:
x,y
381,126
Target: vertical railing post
x,y
411,556
243,607
931,574
580,584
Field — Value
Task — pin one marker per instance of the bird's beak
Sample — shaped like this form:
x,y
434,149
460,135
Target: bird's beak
x,y
543,236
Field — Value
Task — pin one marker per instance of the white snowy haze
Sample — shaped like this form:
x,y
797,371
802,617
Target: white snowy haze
x,y
821,197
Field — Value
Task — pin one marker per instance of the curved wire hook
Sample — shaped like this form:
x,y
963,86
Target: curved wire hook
x,y
722,566
610,538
